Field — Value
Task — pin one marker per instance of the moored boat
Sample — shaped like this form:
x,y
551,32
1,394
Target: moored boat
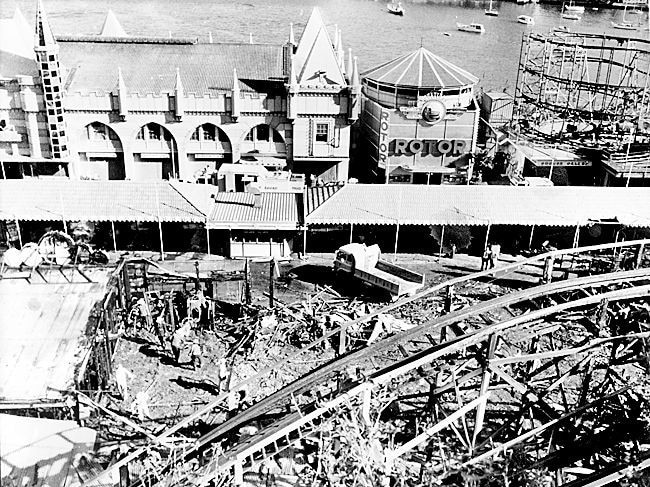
x,y
491,11
570,16
473,28
561,29
624,25
526,19
395,8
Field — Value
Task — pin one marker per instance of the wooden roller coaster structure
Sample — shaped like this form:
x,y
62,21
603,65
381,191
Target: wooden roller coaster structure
x,y
536,370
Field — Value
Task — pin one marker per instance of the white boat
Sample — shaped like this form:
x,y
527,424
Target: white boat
x,y
395,8
526,19
570,16
561,29
492,12
624,25
578,9
473,28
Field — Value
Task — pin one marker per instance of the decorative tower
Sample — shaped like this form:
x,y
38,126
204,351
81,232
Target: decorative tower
x,y
179,96
235,108
122,101
47,57
292,85
355,93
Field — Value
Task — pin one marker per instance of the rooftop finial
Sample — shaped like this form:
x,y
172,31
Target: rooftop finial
x,y
250,38
354,80
210,37
350,66
44,37
292,37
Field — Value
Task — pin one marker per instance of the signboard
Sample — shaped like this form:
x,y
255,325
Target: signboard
x,y
577,163
432,147
12,231
384,126
429,110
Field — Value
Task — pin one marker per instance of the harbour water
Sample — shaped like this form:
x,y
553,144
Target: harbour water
x,y
374,35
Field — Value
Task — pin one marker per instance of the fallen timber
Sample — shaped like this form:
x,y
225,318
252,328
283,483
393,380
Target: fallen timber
x,y
255,410
246,453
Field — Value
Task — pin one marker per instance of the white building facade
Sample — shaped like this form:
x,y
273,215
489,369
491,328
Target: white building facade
x,y
113,106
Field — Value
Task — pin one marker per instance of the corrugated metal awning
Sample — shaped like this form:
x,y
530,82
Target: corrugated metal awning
x,y
366,204
237,211
65,199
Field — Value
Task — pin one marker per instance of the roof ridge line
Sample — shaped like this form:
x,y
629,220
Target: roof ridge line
x,y
171,183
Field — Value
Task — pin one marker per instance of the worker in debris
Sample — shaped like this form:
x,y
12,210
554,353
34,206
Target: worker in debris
x,y
495,251
178,340
141,405
122,376
485,259
195,354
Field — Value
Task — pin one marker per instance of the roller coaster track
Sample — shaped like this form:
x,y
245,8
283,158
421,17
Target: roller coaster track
x,y
467,330
417,353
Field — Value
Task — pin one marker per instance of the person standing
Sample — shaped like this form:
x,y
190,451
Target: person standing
x,y
195,354
178,339
485,259
122,376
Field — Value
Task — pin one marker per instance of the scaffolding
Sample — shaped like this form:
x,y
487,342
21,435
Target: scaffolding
x,y
584,85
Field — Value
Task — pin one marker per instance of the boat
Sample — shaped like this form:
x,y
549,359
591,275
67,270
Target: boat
x,y
395,8
473,28
561,29
526,19
570,16
578,9
491,11
624,24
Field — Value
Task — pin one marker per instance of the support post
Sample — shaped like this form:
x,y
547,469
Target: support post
x,y
247,283
396,240
20,235
304,241
351,230
576,237
530,240
442,238
271,286
639,255
487,237
160,234
113,235
4,174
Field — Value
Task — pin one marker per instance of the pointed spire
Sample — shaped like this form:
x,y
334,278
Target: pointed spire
x,y
349,68
112,26
340,53
44,37
293,80
179,94
336,37
122,105
235,80
235,109
355,80
292,37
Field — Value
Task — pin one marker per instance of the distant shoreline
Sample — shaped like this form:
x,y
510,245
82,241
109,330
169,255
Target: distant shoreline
x,y
587,4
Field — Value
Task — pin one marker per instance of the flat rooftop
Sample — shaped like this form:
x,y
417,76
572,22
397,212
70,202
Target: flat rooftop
x,y
42,332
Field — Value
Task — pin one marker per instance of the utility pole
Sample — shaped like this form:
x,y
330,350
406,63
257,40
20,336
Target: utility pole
x,y
271,287
247,283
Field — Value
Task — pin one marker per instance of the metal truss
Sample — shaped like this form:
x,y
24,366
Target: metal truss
x,y
589,78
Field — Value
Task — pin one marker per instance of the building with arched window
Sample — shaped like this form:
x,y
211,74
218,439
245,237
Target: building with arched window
x,y
115,106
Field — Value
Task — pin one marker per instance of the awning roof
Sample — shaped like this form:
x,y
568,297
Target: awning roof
x,y
421,69
480,205
278,211
62,198
42,452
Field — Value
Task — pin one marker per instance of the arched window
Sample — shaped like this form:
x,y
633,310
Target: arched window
x,y
209,132
100,131
154,131
261,133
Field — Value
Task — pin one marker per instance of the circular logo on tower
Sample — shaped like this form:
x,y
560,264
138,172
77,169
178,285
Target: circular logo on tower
x,y
433,111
